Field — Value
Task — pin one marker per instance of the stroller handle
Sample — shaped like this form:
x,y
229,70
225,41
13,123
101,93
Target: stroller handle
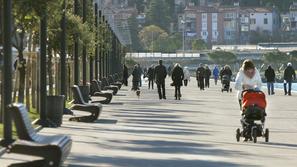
x,y
250,90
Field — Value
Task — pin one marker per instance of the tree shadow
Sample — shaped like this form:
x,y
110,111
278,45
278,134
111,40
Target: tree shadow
x,y
292,146
106,121
122,161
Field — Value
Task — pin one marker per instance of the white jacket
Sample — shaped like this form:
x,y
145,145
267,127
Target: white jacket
x,y
242,79
187,75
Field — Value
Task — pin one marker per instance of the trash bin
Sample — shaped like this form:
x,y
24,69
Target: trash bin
x,y
85,91
55,108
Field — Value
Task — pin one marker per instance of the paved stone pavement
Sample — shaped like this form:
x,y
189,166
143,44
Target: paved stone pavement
x,y
198,131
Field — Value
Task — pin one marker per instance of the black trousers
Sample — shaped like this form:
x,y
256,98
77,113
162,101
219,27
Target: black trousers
x,y
288,91
135,85
140,82
151,84
177,92
186,82
201,83
125,81
161,90
207,82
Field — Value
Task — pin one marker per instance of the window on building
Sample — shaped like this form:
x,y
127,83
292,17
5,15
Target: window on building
x,y
204,16
214,17
244,28
253,21
265,21
204,25
228,33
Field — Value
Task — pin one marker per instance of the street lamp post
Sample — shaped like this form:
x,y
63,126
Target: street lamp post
x,y
42,70
76,59
7,72
63,51
84,56
183,23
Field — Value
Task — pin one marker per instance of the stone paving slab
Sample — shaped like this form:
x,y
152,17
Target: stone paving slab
x,y
198,131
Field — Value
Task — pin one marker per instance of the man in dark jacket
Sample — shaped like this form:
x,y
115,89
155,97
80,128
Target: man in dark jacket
x,y
289,76
125,75
207,76
177,76
270,77
160,75
151,76
136,75
200,73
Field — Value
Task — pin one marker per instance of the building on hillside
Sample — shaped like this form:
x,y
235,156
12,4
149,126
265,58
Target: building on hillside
x,y
228,24
263,20
293,16
117,13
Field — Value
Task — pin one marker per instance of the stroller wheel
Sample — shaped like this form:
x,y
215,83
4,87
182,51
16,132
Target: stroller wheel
x,y
238,135
266,135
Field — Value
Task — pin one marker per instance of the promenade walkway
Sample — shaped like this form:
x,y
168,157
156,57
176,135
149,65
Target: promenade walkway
x,y
198,131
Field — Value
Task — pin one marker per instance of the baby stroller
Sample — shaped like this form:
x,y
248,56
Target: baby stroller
x,y
253,116
226,83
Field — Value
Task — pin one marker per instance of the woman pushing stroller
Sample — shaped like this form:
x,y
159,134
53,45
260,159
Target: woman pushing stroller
x,y
252,102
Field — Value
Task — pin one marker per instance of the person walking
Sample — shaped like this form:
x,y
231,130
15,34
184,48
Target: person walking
x,y
226,71
289,76
270,78
140,71
125,75
200,73
160,75
136,78
216,74
187,76
150,76
207,75
177,76
248,77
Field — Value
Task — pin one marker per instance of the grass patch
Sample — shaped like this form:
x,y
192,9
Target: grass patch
x,y
32,114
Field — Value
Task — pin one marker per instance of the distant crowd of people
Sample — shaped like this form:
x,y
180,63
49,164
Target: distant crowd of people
x,y
182,76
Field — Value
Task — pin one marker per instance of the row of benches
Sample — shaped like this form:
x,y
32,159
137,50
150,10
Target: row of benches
x,y
54,149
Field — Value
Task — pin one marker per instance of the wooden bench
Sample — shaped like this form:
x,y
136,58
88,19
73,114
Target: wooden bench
x,y
54,149
96,92
81,105
106,86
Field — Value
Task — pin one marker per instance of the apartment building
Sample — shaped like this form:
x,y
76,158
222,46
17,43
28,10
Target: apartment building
x,y
228,25
293,16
